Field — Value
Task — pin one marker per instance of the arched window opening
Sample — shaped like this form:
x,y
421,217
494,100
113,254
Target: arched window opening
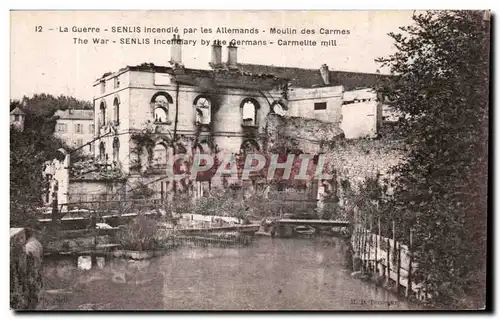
x,y
160,156
203,108
180,149
249,146
116,110
102,114
161,115
161,102
249,112
116,149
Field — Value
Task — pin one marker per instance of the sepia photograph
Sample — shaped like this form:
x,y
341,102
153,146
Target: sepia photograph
x,y
250,160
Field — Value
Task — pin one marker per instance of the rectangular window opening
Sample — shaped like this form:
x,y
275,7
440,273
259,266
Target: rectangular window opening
x,y
320,106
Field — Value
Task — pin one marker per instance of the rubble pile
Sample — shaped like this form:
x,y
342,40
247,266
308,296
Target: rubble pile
x,y
93,170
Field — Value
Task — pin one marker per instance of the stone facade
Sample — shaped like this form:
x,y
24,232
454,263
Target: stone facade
x,y
145,114
316,103
224,125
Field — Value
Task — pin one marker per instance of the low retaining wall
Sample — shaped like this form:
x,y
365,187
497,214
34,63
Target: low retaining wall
x,y
26,256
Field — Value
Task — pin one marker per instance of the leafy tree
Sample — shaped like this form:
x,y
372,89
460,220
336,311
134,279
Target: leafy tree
x,y
28,152
40,109
440,83
30,149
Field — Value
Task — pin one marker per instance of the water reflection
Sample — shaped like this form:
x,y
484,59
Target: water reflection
x,y
272,274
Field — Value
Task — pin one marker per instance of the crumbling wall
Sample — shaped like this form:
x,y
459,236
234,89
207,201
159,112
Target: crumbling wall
x,y
352,160
58,171
95,190
307,135
25,270
356,160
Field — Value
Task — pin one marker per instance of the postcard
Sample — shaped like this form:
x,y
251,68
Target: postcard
x,y
249,160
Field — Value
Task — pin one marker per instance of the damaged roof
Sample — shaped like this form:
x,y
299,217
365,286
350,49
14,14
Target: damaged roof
x,y
245,74
90,170
17,111
310,78
222,76
73,114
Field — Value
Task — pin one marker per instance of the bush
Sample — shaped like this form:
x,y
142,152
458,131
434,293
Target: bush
x,y
221,203
139,235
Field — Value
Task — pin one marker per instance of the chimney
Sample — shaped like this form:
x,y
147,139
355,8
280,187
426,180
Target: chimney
x,y
325,74
216,53
232,56
176,50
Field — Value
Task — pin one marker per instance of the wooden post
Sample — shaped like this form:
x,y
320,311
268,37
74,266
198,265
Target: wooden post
x,y
356,246
377,243
161,192
408,287
395,247
55,207
93,219
398,245
370,244
359,240
388,257
362,247
425,278
365,235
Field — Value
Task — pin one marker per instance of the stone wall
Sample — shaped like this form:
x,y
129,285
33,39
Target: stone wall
x,y
25,270
356,160
307,134
96,190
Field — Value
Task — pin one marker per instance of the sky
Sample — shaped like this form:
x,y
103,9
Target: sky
x,y
50,62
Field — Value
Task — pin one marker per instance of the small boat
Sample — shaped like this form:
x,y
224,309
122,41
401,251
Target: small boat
x,y
304,230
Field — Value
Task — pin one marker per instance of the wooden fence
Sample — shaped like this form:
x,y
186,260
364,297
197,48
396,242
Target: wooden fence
x,y
388,259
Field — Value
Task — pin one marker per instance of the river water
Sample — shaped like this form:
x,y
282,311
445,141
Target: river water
x,y
271,274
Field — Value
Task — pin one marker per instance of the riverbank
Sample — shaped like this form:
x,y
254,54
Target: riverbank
x,y
87,247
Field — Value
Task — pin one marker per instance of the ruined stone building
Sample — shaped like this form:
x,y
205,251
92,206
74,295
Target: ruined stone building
x,y
76,128
346,99
145,114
